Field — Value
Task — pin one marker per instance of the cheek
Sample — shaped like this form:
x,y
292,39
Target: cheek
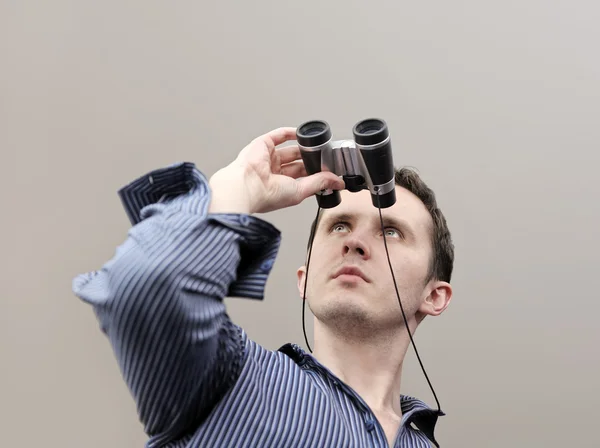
x,y
409,266
322,251
319,263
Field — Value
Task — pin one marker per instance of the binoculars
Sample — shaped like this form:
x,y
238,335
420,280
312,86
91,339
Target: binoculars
x,y
365,162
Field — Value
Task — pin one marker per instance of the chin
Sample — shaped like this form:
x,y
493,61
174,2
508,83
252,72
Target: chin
x,y
351,309
345,308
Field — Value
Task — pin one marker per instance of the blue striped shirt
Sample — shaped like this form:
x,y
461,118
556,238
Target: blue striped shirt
x,y
196,377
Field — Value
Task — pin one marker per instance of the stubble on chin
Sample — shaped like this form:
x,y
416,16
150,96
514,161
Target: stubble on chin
x,y
351,321
350,316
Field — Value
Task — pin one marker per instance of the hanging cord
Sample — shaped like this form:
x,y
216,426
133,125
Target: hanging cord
x,y
397,294
306,276
401,307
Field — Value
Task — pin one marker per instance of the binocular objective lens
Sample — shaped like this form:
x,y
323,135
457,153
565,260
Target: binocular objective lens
x,y
310,131
370,132
313,133
369,127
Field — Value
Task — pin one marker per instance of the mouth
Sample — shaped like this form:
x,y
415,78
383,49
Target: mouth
x,y
351,273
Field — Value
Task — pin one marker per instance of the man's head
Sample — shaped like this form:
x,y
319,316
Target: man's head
x,y
420,250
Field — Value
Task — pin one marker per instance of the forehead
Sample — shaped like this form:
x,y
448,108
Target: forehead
x,y
408,209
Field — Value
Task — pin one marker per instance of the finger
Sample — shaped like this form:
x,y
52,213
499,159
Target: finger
x,y
288,154
323,180
294,169
279,136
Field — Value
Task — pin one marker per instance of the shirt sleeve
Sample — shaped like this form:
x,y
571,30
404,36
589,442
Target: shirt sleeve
x,y
159,300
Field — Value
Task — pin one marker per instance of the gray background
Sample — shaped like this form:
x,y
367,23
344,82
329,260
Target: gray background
x,y
497,104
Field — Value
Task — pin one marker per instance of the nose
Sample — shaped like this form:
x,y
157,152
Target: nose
x,y
354,245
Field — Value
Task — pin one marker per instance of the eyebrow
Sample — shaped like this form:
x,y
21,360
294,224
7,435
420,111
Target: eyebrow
x,y
388,221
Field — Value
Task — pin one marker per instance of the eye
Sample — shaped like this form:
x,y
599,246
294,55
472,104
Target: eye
x,y
339,227
391,232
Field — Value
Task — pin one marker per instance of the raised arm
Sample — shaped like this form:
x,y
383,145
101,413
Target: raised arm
x,y
160,299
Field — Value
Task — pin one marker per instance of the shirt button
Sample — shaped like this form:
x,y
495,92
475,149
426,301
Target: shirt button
x,y
266,265
244,220
370,425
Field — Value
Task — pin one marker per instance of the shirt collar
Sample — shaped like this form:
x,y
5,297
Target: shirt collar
x,y
413,410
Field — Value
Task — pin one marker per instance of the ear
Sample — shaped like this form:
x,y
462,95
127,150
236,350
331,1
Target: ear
x,y
301,273
437,300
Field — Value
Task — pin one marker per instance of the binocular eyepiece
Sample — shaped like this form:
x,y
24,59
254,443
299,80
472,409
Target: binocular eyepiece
x,y
365,162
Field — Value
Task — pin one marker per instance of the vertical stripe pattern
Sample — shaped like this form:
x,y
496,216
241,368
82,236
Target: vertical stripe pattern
x,y
196,377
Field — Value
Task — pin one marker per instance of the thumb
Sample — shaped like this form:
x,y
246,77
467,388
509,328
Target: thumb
x,y
324,180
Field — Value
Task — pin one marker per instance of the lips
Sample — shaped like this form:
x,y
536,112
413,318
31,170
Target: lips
x,y
351,270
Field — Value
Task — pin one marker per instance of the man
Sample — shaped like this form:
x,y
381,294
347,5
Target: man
x,y
197,380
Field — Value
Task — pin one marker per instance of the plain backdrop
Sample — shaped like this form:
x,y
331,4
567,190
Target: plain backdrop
x,y
497,103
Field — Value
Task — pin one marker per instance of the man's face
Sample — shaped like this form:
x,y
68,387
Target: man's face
x,y
350,236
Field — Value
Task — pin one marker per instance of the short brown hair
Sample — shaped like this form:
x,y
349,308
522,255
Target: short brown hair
x,y
442,260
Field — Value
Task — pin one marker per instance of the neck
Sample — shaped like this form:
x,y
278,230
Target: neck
x,y
371,366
